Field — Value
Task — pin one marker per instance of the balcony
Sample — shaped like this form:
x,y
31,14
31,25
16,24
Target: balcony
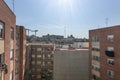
x,y
109,53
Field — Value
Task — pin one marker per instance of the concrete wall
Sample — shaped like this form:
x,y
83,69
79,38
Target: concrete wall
x,y
71,65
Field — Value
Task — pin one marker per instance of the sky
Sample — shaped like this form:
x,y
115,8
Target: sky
x,y
66,17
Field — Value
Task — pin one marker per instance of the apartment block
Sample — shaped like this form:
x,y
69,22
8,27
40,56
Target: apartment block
x,y
40,61
71,64
20,52
7,42
105,53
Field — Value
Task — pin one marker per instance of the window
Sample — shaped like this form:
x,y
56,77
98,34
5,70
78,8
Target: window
x,y
12,33
11,53
110,73
39,49
16,59
11,75
1,58
49,56
17,46
38,62
110,61
96,67
43,64
17,36
1,30
97,58
32,50
33,62
110,48
33,56
39,56
38,69
110,38
95,48
95,77
16,71
95,39
43,56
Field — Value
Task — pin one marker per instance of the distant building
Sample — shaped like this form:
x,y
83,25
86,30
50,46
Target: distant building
x,y
71,64
40,61
79,45
105,53
7,42
20,52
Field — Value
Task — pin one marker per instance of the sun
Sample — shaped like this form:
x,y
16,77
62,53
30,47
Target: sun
x,y
62,4
65,3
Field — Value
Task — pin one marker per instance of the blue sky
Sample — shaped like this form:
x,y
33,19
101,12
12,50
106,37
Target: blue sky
x,y
73,16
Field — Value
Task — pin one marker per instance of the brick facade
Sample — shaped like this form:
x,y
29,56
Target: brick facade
x,y
20,52
9,19
39,62
109,38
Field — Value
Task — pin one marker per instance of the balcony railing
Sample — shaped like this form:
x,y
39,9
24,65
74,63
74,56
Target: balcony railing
x,y
109,53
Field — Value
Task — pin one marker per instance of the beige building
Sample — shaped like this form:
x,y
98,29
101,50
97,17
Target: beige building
x,y
71,64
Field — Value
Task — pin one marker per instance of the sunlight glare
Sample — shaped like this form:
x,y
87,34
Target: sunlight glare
x,y
65,3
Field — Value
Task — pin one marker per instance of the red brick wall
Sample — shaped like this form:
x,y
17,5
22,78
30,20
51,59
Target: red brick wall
x,y
9,19
22,51
104,43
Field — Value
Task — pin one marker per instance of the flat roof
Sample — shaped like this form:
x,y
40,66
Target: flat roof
x,y
114,26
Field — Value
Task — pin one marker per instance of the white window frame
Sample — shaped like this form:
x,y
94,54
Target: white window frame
x,y
11,53
110,48
12,33
110,60
110,38
1,28
110,73
11,75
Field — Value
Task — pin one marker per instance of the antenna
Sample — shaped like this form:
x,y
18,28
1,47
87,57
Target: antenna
x,y
13,5
106,21
65,31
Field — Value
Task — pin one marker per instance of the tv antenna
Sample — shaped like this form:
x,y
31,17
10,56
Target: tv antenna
x,y
106,21
65,31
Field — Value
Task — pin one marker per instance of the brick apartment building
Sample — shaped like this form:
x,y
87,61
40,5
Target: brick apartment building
x,y
40,61
20,52
12,45
7,42
105,53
